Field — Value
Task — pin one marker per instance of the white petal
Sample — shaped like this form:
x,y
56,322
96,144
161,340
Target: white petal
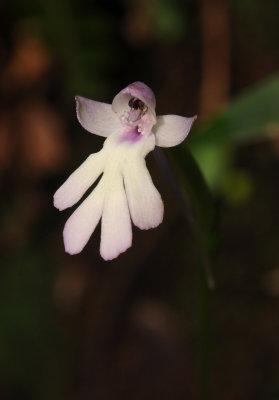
x,y
83,221
171,130
116,236
97,117
81,179
145,203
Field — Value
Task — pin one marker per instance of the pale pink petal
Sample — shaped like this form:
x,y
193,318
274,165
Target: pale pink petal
x,y
116,235
79,181
170,130
145,203
97,117
83,221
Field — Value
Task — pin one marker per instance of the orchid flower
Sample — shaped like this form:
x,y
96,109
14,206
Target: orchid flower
x,y
125,190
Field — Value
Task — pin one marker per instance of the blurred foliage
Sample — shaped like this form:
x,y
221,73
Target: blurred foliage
x,y
168,19
30,348
252,117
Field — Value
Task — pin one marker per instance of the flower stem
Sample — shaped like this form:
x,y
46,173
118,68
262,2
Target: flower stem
x,y
195,216
204,324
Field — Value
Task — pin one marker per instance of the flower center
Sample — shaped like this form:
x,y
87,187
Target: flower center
x,y
137,111
137,105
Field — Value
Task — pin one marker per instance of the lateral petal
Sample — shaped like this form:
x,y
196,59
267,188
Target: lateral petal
x,y
79,181
170,130
83,221
116,235
145,203
96,117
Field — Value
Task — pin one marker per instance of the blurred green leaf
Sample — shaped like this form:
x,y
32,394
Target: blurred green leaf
x,y
29,341
215,163
204,229
196,190
252,116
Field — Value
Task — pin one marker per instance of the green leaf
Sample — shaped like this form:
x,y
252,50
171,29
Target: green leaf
x,y
196,192
252,116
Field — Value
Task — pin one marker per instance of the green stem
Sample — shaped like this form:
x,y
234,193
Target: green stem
x,y
199,213
204,319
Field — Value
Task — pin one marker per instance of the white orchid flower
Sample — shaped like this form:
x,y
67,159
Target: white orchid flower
x,y
125,190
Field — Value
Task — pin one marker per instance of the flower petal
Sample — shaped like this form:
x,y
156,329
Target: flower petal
x,y
79,181
170,130
137,89
145,203
116,235
83,221
96,117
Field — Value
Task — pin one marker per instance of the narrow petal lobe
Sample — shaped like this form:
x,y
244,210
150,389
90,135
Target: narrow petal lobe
x,y
83,221
116,236
79,181
145,203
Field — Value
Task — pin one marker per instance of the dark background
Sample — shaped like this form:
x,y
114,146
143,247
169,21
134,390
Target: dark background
x,y
144,326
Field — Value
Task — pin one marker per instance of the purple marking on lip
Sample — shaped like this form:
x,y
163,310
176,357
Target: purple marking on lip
x,y
130,135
